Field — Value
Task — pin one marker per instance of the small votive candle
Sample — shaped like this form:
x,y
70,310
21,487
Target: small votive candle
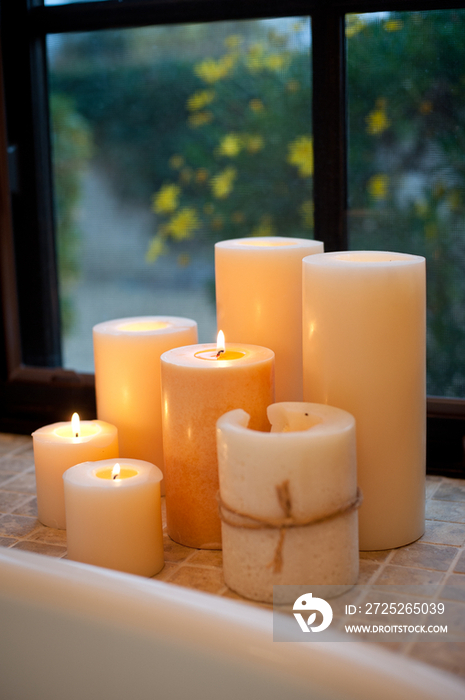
x,y
59,446
113,515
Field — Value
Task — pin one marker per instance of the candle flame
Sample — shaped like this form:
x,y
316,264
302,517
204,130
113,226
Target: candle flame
x,y
75,424
220,344
115,471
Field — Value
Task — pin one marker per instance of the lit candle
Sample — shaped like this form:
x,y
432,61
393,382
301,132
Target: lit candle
x,y
113,515
364,350
127,378
199,384
259,300
59,446
288,500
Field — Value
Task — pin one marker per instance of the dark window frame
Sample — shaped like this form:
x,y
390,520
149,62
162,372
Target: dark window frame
x,y
30,395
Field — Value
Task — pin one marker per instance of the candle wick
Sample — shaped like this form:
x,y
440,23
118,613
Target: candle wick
x,y
115,476
76,434
219,353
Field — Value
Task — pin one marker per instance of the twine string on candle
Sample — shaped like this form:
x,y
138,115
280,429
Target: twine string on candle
x,y
235,518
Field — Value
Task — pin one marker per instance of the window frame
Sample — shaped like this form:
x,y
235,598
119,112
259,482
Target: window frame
x,y
30,395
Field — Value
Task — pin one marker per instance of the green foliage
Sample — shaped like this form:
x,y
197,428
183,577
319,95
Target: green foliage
x,y
406,77
71,146
247,165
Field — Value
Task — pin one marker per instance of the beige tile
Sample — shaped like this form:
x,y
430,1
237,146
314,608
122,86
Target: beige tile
x,y
9,501
17,525
7,541
48,535
28,507
208,557
432,484
454,588
449,656
451,490
376,556
367,570
40,548
437,532
208,580
460,565
448,511
16,463
11,443
175,552
423,581
166,572
23,483
425,556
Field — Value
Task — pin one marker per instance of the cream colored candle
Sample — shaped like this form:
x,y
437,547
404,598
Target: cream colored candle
x,y
113,515
364,345
301,472
56,448
259,300
197,388
127,378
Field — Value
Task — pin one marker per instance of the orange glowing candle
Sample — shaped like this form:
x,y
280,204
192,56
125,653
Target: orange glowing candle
x,y
199,384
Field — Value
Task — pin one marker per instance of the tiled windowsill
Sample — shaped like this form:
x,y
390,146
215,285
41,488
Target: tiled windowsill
x,y
437,559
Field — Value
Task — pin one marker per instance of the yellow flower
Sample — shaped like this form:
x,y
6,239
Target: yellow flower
x,y
200,118
354,25
186,175
256,105
222,184
209,209
183,259
254,143
264,228
378,186
293,86
431,231
183,223
377,120
217,223
156,248
210,71
238,217
255,57
201,175
233,41
277,62
301,155
200,99
230,145
176,162
166,199
393,25
306,210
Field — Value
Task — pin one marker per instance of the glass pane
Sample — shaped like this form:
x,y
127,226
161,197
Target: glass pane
x,y
166,140
406,81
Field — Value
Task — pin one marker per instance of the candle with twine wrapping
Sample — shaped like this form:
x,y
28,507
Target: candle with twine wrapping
x,y
288,500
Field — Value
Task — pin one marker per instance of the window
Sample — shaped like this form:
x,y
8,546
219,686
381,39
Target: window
x,y
42,87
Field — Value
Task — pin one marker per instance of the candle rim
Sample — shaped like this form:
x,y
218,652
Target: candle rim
x,y
259,243
46,433
84,473
237,420
361,258
186,355
175,324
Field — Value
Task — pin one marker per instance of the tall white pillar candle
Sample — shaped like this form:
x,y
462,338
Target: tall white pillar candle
x,y
288,500
127,378
259,300
56,448
364,348
113,515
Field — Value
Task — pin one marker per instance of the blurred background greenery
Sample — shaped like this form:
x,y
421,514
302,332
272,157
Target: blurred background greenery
x,y
208,127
